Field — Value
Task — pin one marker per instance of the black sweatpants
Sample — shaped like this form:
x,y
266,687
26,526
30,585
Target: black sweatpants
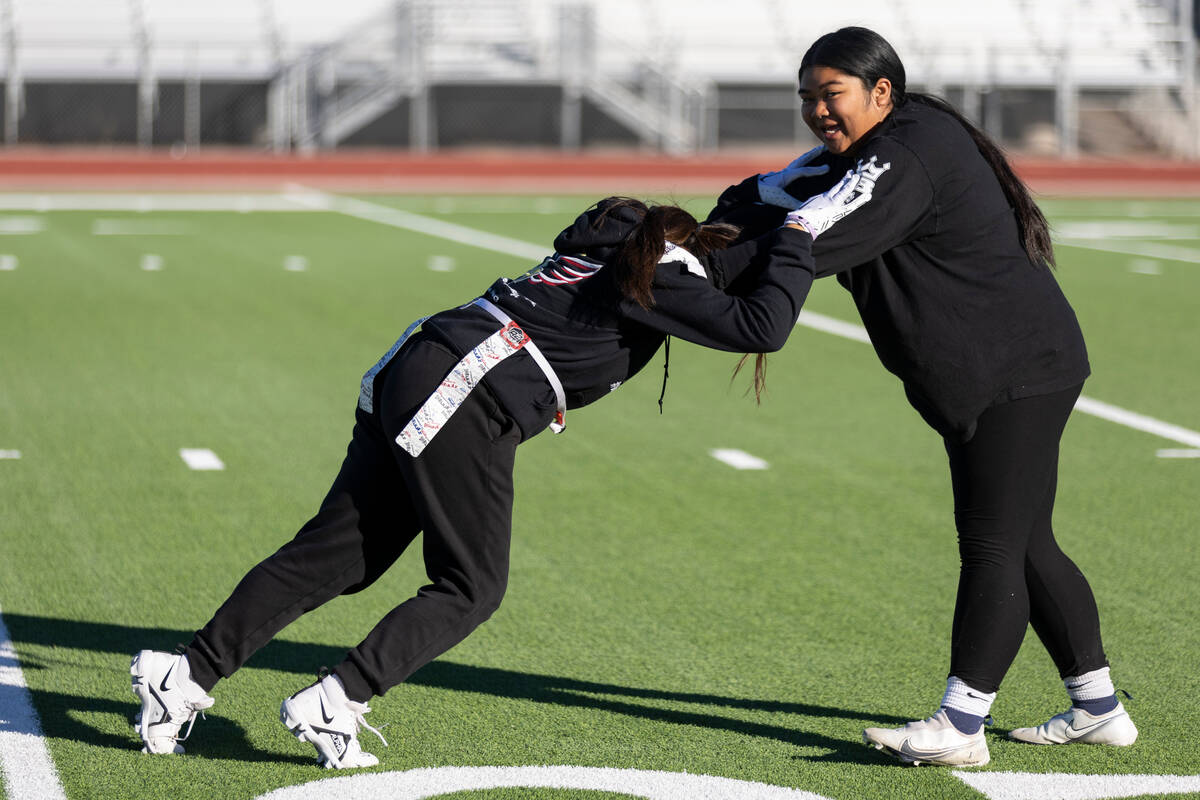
x,y
458,492
1013,572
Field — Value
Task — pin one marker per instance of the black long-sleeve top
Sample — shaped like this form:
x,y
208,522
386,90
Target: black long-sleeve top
x,y
952,303
595,339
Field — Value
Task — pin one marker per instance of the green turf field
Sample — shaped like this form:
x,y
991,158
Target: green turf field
x,y
665,612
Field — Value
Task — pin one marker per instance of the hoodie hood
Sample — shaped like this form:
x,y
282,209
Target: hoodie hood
x,y
598,232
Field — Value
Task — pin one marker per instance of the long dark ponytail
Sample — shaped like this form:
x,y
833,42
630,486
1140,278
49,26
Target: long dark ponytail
x,y
632,269
867,56
640,253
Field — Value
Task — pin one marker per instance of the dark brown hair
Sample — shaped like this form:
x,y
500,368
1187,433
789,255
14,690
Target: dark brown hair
x,y
641,251
637,257
866,55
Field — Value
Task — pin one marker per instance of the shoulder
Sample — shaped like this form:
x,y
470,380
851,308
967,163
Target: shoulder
x,y
921,143
928,135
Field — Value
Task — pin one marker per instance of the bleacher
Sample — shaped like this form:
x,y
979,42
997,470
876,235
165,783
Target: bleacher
x,y
1004,42
657,66
998,43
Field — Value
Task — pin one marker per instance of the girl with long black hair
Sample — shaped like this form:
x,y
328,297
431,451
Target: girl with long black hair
x,y
949,267
438,422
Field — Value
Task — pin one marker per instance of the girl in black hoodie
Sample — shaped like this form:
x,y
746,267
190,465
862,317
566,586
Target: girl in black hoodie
x,y
438,421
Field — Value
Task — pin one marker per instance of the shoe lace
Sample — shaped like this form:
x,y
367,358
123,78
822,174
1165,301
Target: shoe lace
x,y
358,709
191,721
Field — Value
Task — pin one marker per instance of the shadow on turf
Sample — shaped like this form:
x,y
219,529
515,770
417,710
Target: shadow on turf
x,y
65,715
581,694
224,739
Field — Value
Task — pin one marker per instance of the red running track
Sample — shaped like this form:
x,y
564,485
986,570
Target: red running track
x,y
500,171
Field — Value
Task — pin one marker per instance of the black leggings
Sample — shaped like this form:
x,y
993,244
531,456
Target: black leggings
x,y
458,492
1013,572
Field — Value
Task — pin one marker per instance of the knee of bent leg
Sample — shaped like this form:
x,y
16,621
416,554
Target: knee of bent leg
x,y
477,596
490,593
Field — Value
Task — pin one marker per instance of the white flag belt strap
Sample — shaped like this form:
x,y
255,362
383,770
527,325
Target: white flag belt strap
x,y
458,384
467,374
560,415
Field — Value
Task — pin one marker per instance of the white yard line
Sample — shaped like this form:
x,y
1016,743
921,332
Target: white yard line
x,y
1167,252
137,227
1138,422
1085,405
193,201
25,764
396,218
1106,229
1169,453
820,322
21,226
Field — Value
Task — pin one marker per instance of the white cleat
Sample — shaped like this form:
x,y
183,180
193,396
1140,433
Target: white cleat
x,y
931,741
170,698
1076,725
324,717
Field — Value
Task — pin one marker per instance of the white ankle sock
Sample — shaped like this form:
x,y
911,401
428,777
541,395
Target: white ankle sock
x,y
962,697
1092,685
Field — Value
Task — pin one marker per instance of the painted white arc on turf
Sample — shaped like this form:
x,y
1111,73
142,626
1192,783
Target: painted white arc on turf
x,y
1056,786
418,784
25,765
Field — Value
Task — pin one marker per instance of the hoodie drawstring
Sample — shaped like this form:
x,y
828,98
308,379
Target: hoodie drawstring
x,y
666,363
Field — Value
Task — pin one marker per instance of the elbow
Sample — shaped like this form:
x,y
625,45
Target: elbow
x,y
776,343
773,339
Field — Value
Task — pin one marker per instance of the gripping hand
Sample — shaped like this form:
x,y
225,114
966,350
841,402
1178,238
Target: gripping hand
x,y
849,194
770,185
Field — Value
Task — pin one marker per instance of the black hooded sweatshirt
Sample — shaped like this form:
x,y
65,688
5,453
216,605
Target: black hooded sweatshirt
x,y
953,305
596,340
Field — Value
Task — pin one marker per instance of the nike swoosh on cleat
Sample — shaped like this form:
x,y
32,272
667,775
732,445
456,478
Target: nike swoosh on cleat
x,y
909,751
1074,733
328,719
163,685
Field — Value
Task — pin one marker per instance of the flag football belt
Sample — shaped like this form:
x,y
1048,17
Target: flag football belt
x,y
466,375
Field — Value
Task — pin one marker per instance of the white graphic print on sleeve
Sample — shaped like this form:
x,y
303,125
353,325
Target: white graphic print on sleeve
x,y
564,270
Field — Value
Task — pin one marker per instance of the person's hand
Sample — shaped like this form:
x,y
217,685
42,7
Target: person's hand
x,y
849,194
770,185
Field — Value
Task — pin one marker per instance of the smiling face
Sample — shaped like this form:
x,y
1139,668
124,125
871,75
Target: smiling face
x,y
839,108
